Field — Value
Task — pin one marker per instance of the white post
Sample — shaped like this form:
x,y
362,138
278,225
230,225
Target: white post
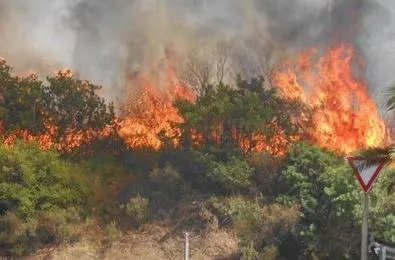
x,y
186,249
383,253
364,240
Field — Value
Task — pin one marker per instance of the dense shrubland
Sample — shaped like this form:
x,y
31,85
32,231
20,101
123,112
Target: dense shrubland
x,y
294,200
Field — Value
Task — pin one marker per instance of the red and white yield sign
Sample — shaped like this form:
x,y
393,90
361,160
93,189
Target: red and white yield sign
x,y
365,175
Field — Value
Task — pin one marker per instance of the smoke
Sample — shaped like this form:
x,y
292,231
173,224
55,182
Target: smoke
x,y
106,41
33,36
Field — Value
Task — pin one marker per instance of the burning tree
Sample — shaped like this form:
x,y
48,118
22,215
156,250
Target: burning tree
x,y
345,117
63,113
249,118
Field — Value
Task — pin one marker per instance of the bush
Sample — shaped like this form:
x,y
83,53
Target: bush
x,y
104,176
53,226
113,233
137,210
323,185
233,175
43,198
259,227
266,171
167,179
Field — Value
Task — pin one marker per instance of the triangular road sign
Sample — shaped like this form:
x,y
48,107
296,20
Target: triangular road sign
x,y
365,175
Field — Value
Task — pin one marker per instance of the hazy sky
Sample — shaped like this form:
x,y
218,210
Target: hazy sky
x,y
101,38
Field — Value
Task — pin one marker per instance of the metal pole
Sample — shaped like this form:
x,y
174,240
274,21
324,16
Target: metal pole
x,y
186,249
383,253
364,241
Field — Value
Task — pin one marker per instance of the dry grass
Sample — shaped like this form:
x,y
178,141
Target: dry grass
x,y
144,245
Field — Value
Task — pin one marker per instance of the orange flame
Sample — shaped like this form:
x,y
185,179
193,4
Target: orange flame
x,y
70,141
46,139
345,116
152,113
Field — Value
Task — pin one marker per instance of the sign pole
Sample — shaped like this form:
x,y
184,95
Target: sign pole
x,y
366,176
364,241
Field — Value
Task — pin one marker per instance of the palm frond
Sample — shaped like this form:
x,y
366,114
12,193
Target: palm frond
x,y
390,93
373,156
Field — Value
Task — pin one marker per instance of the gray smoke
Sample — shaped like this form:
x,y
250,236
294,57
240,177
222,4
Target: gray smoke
x,y
107,40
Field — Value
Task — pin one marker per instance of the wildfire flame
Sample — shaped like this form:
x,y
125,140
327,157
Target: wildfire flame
x,y
152,113
46,139
345,116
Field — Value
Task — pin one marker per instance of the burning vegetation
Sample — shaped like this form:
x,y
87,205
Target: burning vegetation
x,y
63,114
343,116
234,144
241,106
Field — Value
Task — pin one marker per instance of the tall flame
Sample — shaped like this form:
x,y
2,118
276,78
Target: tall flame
x,y
345,116
152,113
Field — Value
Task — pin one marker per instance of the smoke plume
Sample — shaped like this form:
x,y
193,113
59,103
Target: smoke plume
x,y
106,41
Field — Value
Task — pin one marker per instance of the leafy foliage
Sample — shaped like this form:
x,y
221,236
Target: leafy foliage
x,y
42,197
224,116
375,155
233,175
166,177
324,187
259,227
137,209
73,104
329,196
62,104
21,101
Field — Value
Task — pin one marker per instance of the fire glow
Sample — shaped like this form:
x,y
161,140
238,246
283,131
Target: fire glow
x,y
345,117
152,113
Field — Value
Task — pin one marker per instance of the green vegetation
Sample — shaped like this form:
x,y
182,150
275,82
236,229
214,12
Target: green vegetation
x,y
304,204
40,198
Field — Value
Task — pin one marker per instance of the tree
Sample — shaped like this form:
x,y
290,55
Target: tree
x,y
58,109
198,71
246,118
74,105
328,194
22,104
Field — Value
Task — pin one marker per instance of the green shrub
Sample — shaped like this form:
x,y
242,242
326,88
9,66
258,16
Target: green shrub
x,y
167,179
53,226
233,175
269,253
113,233
248,252
137,210
42,195
103,176
258,227
324,187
